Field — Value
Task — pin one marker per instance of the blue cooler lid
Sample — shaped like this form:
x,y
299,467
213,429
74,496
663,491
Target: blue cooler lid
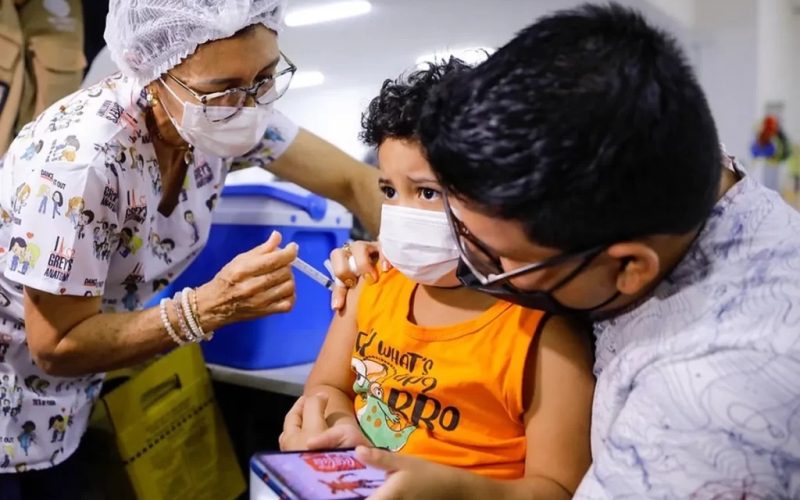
x,y
254,197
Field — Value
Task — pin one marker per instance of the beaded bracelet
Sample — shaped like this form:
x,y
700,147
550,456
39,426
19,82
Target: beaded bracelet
x,y
189,315
167,324
196,313
184,327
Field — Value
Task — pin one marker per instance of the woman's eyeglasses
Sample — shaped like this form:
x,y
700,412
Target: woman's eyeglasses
x,y
221,106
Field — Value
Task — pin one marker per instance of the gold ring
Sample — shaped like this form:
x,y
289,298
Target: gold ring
x,y
349,283
346,249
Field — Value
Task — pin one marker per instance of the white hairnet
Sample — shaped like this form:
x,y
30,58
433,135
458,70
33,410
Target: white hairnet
x,y
147,38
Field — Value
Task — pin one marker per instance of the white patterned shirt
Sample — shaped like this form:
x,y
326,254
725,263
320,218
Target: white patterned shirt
x,y
698,389
79,189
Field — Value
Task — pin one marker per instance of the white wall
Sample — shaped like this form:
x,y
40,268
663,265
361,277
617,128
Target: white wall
x,y
683,11
357,55
793,118
776,61
745,52
334,114
726,47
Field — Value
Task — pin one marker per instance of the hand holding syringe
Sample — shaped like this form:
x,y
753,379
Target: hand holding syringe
x,y
318,276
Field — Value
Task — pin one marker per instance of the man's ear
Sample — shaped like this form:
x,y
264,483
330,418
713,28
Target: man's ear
x,y
641,266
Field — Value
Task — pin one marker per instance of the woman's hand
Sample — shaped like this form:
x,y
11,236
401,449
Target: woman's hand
x,y
254,284
356,259
305,428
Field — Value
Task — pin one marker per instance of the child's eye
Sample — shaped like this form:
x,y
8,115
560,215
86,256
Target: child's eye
x,y
388,192
429,194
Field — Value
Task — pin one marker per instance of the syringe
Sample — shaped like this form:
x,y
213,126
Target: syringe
x,y
310,271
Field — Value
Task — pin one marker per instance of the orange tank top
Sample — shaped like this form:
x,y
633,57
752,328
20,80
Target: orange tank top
x,y
449,394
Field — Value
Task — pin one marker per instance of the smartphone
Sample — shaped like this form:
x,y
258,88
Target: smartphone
x,y
317,475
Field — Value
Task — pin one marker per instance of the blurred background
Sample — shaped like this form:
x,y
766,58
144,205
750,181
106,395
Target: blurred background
x,y
746,54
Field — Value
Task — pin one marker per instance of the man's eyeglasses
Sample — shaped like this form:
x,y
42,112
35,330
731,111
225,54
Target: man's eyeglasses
x,y
221,106
487,268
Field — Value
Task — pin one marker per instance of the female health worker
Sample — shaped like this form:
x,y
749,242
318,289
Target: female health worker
x,y
107,196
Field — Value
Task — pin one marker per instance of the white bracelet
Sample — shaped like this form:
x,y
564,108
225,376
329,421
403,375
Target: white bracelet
x,y
184,327
167,325
189,316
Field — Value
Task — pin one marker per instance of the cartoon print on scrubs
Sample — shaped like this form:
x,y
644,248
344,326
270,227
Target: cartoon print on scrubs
x,y
131,299
37,385
161,248
189,218
75,207
43,194
114,158
34,149
155,176
211,203
129,241
67,115
62,258
78,192
10,396
58,423
203,174
5,344
137,162
385,427
20,198
8,454
64,151
5,218
137,207
58,202
106,238
27,437
25,255
262,155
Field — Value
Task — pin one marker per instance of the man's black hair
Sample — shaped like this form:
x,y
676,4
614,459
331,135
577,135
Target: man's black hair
x,y
589,128
395,112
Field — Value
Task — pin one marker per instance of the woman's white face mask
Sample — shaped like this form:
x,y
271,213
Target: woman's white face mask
x,y
418,243
227,138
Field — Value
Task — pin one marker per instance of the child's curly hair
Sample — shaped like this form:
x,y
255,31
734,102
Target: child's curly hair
x,y
394,113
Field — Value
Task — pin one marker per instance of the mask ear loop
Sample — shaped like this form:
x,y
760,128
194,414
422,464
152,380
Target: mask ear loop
x,y
153,101
171,118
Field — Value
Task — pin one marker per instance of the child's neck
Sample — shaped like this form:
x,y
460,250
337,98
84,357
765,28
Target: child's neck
x,y
433,306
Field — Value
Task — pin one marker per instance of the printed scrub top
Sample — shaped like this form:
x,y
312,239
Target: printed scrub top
x,y
79,189
698,390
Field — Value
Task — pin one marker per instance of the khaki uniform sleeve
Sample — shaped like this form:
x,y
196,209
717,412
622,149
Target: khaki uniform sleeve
x,y
53,33
12,69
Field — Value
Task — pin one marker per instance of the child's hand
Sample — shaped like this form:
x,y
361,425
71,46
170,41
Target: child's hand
x,y
414,478
304,420
305,428
341,435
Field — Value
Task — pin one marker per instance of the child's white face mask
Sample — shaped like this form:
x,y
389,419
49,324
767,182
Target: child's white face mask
x,y
418,243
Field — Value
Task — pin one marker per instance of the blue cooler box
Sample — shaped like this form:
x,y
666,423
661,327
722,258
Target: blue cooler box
x,y
244,218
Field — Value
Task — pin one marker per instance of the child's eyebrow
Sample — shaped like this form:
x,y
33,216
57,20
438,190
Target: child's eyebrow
x,y
384,180
423,180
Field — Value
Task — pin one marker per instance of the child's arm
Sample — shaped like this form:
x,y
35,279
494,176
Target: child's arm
x,y
558,390
558,408
332,380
